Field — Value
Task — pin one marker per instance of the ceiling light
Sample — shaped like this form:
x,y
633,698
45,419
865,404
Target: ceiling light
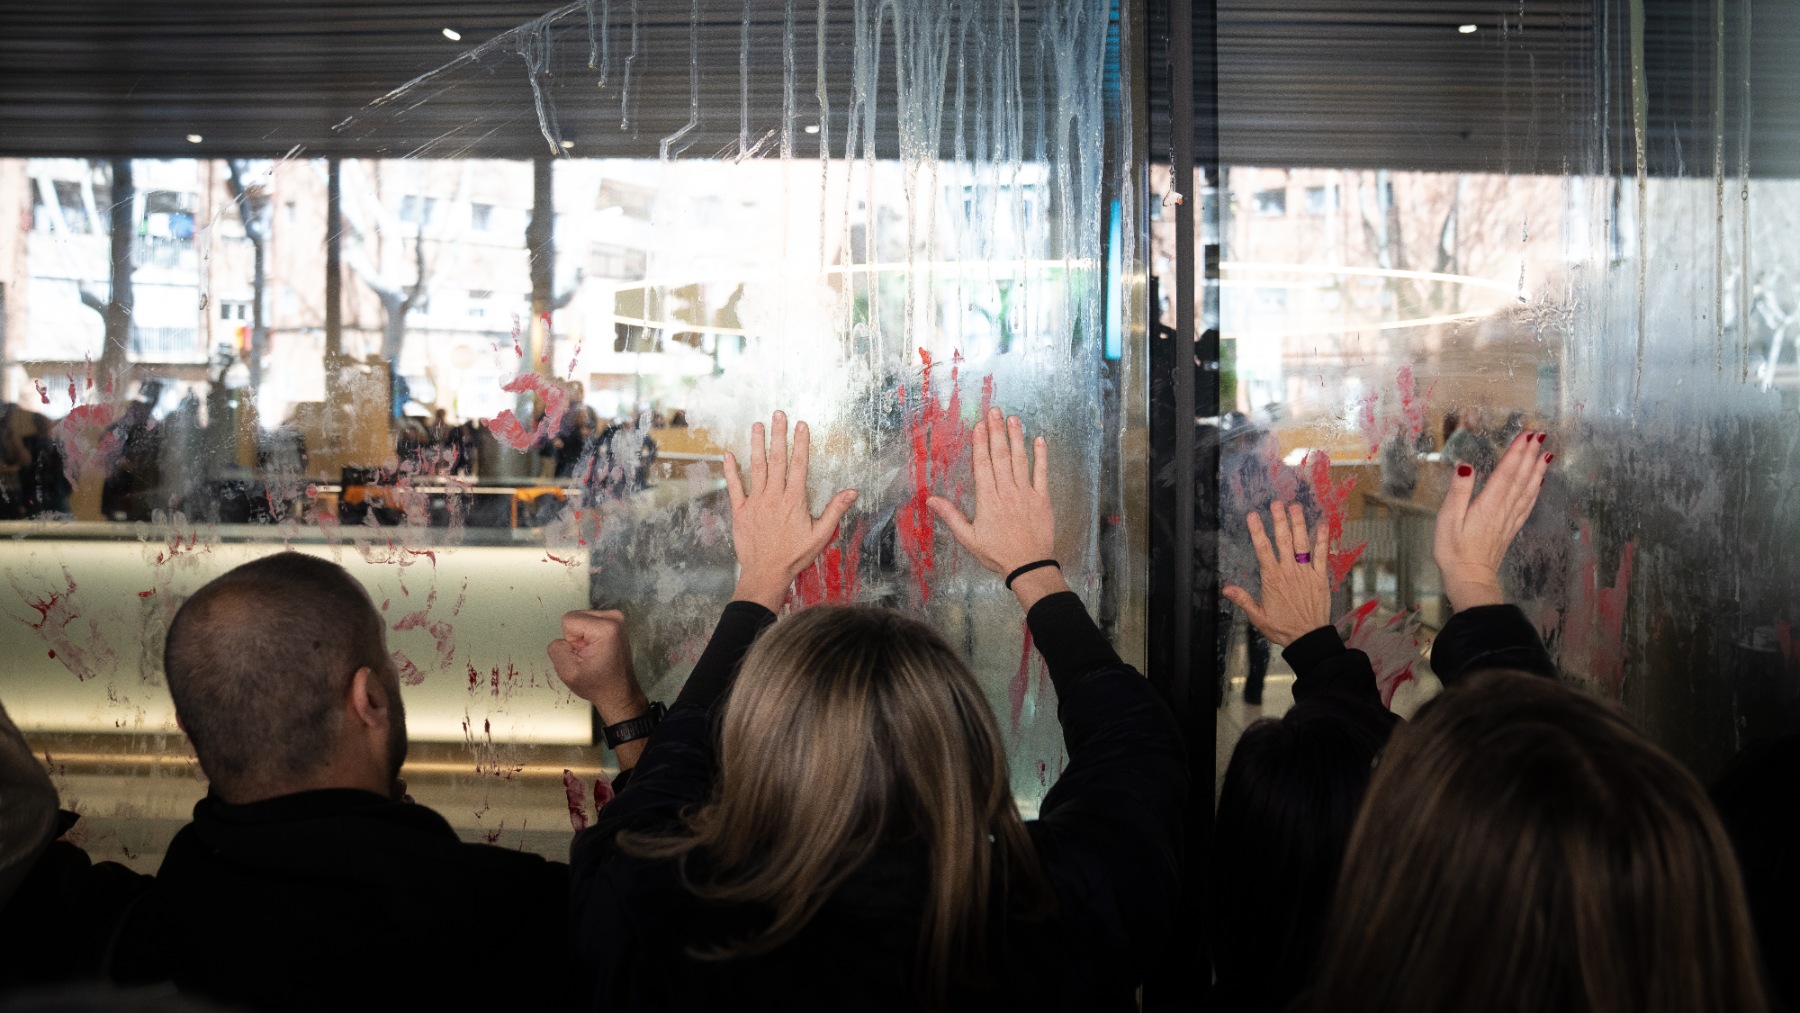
x,y
567,145
453,35
1467,29
812,128
195,138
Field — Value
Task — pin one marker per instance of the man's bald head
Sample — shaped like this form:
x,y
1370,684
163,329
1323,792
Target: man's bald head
x,y
259,662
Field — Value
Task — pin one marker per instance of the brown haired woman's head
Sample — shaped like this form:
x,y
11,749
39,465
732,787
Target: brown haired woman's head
x,y
850,727
1523,847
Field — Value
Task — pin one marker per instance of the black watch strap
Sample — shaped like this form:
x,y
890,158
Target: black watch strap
x,y
636,728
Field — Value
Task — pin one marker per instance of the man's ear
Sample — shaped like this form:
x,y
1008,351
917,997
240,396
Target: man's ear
x,y
369,701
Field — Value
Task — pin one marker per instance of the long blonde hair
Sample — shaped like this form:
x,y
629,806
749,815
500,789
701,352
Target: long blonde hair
x,y
849,727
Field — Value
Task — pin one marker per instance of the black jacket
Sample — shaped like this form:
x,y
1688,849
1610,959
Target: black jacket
x,y
1474,640
57,927
1108,835
343,899
1331,675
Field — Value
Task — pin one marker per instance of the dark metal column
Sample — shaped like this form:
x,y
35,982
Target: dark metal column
x,y
334,267
1184,465
1181,47
114,355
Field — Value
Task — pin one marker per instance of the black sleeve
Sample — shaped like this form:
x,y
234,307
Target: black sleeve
x,y
1072,646
679,762
676,771
1109,833
1488,637
1323,665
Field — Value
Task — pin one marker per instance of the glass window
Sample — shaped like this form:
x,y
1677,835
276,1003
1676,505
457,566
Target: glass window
x,y
589,382
1610,287
1270,203
609,260
418,210
630,200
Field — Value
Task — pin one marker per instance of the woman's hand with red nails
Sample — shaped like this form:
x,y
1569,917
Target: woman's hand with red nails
x,y
772,528
1474,532
1296,596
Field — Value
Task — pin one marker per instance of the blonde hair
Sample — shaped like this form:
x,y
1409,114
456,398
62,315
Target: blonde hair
x,y
849,727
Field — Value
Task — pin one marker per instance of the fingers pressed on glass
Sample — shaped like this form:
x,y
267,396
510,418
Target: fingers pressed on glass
x,y
998,449
778,450
1283,531
1296,516
1530,486
1456,498
1259,540
1244,600
1517,458
834,515
1040,465
802,456
759,459
1524,474
982,460
1321,547
734,482
1021,465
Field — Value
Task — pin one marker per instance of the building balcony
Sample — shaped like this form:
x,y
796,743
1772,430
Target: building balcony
x,y
166,344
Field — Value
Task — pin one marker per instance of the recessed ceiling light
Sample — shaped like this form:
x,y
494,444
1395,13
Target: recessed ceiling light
x,y
453,35
568,144
195,138
812,128
1467,29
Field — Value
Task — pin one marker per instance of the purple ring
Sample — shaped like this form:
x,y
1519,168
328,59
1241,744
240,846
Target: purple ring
x,y
1302,557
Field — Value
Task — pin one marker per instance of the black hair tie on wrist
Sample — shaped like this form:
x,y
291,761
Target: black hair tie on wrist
x,y
1027,568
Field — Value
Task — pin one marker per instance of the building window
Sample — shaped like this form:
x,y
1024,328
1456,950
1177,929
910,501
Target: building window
x,y
633,201
169,215
606,260
1321,200
479,300
1269,203
74,209
234,309
418,210
481,217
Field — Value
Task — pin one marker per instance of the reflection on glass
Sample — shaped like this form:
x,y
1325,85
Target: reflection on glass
x,y
1422,320
519,404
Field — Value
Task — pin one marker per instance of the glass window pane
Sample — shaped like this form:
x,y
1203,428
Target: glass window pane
x,y
522,406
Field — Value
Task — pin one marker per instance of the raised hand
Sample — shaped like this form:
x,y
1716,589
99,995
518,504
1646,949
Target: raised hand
x,y
772,528
1296,592
1013,523
593,659
1474,532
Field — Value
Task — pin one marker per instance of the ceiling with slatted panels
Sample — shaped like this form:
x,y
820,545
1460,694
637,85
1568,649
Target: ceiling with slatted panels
x,y
1300,82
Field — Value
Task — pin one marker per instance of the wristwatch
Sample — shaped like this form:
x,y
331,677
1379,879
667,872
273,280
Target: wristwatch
x,y
635,728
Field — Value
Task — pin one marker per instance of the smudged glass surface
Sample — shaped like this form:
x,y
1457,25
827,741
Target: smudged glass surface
x,y
1638,306
882,261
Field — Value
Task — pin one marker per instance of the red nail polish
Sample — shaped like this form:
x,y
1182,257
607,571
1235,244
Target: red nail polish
x,y
1541,437
1464,471
1549,457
